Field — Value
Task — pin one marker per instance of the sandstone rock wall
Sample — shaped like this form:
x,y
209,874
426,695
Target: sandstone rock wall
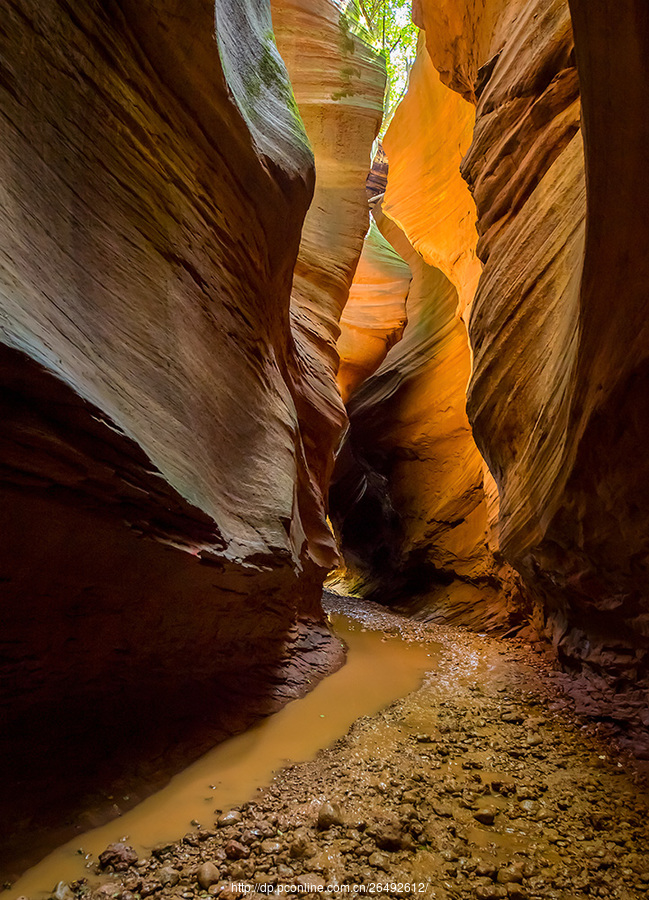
x,y
414,502
339,84
525,167
164,538
425,193
375,315
556,395
558,323
408,498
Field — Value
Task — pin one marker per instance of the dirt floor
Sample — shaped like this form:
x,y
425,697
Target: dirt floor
x,y
481,784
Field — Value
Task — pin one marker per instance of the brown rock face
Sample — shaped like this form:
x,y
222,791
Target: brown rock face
x,y
601,514
513,60
464,37
530,195
163,524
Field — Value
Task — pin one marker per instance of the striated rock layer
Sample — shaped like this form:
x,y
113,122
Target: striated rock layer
x,y
557,393
164,537
557,396
339,84
525,166
408,498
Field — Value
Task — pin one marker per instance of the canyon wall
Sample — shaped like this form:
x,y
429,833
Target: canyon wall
x,y
558,321
413,501
339,84
551,285
525,168
163,521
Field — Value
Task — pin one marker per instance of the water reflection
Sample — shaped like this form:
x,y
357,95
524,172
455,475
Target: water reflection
x,y
379,669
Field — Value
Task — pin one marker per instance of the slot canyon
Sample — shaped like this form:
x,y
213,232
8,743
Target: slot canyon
x,y
323,457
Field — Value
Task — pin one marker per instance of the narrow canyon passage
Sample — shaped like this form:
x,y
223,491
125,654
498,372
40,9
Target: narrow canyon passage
x,y
324,350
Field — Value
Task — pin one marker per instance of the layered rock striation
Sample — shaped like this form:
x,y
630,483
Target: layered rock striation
x,y
339,84
162,498
425,193
525,166
556,398
408,498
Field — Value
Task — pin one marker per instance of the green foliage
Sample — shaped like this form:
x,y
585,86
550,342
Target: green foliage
x,y
387,26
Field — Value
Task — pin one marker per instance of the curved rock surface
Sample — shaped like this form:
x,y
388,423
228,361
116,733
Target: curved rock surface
x,y
557,396
172,279
593,553
375,314
408,497
525,167
165,538
339,84
425,193
416,505
465,37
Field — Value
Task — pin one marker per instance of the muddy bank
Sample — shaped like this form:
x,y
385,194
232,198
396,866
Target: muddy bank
x,y
50,790
377,670
481,784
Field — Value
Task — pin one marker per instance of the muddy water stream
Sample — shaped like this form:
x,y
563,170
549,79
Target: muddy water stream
x,y
379,669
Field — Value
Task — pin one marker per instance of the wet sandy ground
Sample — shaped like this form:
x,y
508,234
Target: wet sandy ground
x,y
480,784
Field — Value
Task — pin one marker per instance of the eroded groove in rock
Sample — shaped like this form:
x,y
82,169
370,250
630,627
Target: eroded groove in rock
x,y
169,310
591,560
465,38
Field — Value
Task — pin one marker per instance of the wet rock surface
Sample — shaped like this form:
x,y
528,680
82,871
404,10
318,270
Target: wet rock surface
x,y
442,791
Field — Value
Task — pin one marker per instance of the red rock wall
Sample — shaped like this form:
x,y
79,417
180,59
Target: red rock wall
x,y
525,167
164,538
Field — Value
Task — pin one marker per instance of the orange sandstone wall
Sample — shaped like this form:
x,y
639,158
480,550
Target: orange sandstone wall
x,y
559,319
489,131
375,315
410,439
408,499
425,193
525,169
